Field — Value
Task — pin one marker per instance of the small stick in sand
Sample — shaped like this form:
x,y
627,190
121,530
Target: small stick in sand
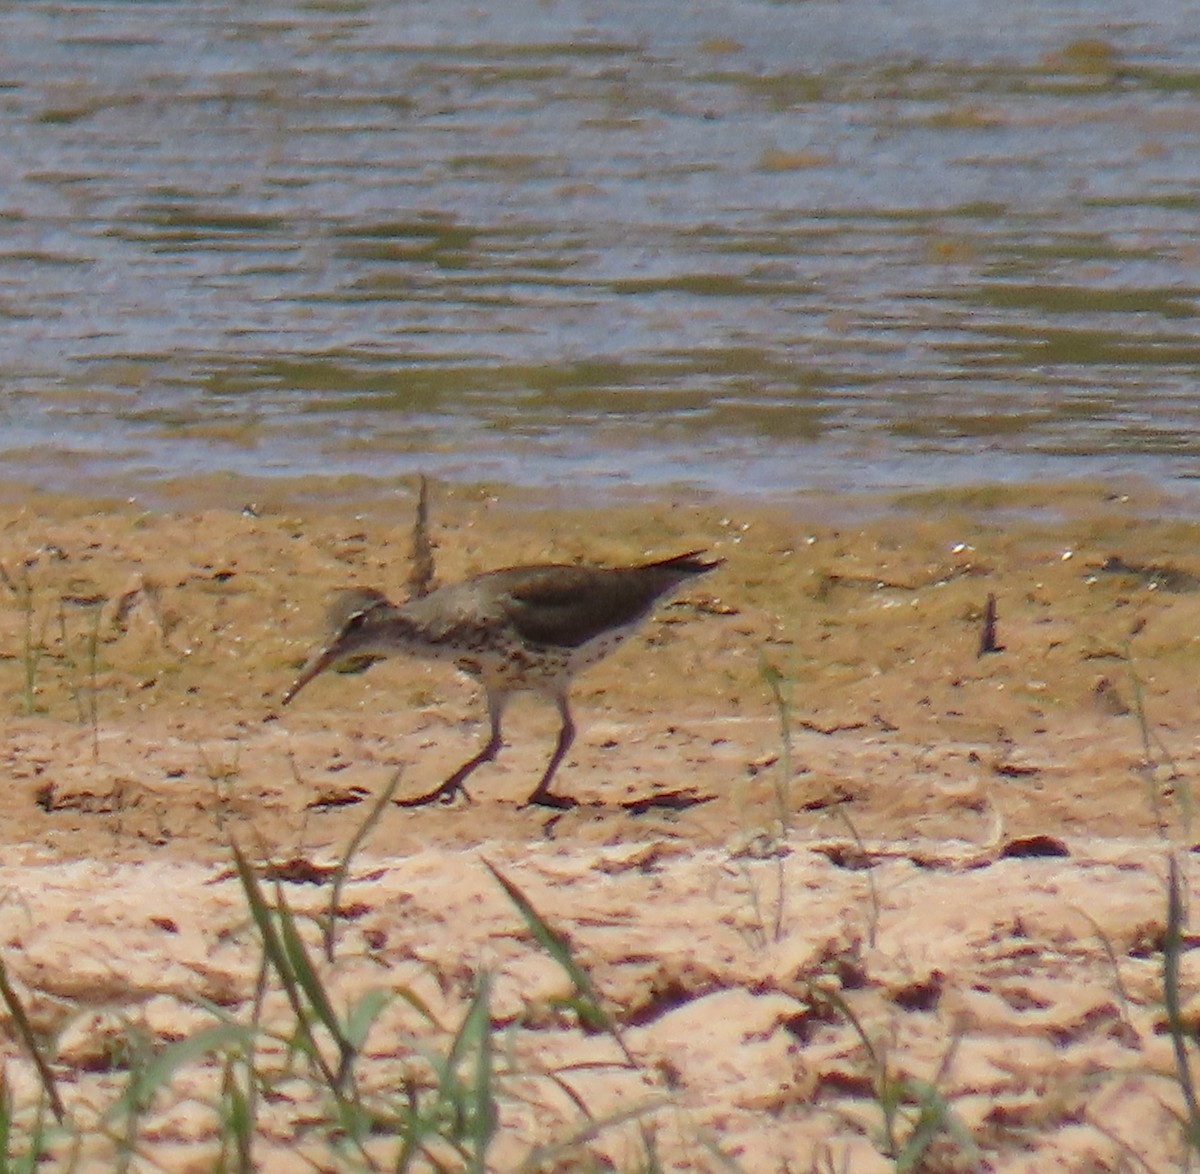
x,y
987,641
420,578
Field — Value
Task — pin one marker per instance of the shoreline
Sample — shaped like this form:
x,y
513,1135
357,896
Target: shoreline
x,y
1179,496
872,620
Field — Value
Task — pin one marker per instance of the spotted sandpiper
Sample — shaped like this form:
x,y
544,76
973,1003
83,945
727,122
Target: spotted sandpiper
x,y
517,629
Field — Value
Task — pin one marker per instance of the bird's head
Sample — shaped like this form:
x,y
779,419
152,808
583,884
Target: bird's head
x,y
352,620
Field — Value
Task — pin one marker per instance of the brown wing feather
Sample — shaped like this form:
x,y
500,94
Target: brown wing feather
x,y
568,606
567,610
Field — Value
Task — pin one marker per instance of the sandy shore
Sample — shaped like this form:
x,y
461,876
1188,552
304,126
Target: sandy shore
x,y
956,859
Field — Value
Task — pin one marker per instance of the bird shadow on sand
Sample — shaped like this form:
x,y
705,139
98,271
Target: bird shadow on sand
x,y
677,800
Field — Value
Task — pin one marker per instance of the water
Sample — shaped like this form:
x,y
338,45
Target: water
x,y
750,247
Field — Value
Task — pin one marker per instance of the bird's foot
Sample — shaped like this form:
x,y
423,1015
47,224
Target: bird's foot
x,y
546,799
444,795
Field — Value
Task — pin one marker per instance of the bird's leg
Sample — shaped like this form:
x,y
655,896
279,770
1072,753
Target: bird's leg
x,y
566,735
454,784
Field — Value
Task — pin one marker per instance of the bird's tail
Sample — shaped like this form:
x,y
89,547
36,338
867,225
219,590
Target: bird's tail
x,y
692,563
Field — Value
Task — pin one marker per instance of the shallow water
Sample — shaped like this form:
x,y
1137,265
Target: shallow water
x,y
741,246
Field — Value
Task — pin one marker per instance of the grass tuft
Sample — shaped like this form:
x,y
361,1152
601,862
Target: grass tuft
x,y
445,1113
914,1116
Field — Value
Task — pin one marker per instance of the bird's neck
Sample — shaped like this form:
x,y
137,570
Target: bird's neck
x,y
395,633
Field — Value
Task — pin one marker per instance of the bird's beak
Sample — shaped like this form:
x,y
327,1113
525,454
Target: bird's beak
x,y
317,663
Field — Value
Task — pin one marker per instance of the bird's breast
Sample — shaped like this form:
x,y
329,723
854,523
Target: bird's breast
x,y
513,665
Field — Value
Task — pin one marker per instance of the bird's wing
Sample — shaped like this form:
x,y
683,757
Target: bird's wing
x,y
568,606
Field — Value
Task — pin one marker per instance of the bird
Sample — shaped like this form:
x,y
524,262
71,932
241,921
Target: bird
x,y
524,628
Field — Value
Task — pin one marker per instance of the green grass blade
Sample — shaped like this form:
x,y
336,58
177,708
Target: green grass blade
x,y
237,1122
309,983
839,1004
260,912
872,888
557,1155
481,1119
356,841
935,1117
362,1015
1173,1003
26,1033
6,1116
145,1081
276,955
33,1155
307,979
774,681
589,1007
